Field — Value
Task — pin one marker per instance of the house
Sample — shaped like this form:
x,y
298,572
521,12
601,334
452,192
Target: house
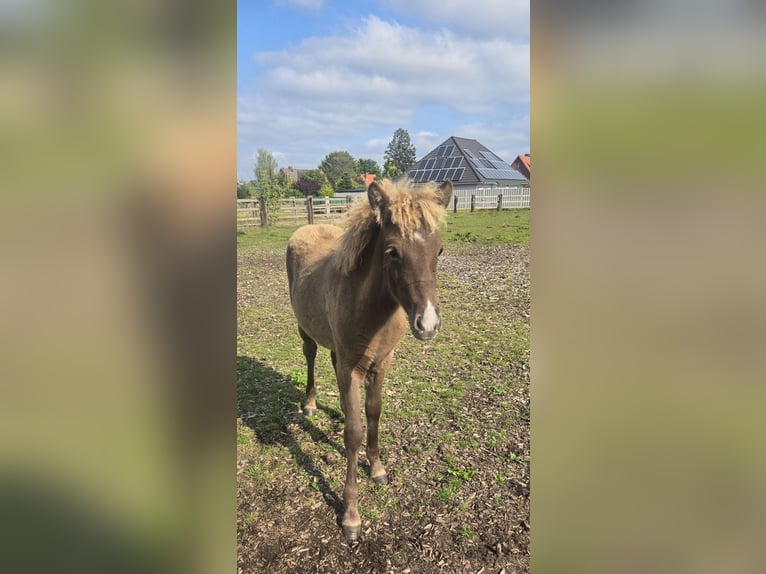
x,y
522,164
474,170
293,174
368,178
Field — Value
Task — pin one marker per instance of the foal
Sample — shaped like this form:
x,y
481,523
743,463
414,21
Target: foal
x,y
355,293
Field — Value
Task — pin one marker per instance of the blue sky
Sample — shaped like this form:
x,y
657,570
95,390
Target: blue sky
x,y
317,76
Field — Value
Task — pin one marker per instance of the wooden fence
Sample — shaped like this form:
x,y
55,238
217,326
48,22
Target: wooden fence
x,y
293,210
298,210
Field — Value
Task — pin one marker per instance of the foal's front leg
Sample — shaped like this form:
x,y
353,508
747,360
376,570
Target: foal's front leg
x,y
349,380
372,408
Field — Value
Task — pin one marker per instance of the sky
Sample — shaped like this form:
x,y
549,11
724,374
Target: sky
x,y
317,76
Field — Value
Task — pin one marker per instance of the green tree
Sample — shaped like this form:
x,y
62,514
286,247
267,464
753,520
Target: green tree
x,y
243,189
400,154
344,183
337,164
369,166
269,185
325,189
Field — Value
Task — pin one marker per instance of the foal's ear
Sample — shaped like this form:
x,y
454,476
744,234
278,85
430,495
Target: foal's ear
x,y
377,196
444,193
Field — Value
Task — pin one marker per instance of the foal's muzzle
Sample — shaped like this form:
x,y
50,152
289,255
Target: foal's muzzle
x,y
425,325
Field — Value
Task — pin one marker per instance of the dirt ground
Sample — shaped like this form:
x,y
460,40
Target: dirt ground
x,y
454,434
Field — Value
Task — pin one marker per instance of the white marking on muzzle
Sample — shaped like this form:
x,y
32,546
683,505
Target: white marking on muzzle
x,y
430,318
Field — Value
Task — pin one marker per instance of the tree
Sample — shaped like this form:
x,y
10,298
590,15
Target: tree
x,y
400,153
265,167
325,189
337,164
243,189
307,186
369,166
344,183
268,185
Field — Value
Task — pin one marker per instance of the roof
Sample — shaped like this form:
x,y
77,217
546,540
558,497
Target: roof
x,y
464,162
523,163
368,178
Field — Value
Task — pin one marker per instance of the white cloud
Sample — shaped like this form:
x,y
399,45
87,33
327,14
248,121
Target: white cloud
x,y
389,67
506,139
481,18
372,80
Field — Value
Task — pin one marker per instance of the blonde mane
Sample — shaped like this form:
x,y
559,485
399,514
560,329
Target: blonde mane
x,y
408,207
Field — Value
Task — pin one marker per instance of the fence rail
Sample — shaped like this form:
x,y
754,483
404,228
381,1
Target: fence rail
x,y
297,210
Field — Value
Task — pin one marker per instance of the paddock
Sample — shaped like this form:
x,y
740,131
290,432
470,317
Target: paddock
x,y
454,429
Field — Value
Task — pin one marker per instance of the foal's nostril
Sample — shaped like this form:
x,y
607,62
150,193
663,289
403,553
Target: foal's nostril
x,y
419,323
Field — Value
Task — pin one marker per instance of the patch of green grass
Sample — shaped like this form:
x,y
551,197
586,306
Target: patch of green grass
x,y
251,516
483,227
465,532
455,478
274,237
488,227
244,436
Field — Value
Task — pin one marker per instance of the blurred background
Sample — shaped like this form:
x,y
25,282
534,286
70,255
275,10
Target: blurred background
x,y
117,308
648,288
117,302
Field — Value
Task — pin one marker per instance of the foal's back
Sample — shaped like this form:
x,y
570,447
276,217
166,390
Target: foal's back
x,y
310,274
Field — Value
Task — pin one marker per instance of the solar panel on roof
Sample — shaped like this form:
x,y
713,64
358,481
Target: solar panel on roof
x,y
489,155
429,163
450,149
459,174
500,174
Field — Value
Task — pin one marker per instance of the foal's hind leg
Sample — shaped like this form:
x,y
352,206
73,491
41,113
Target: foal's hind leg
x,y
372,407
310,352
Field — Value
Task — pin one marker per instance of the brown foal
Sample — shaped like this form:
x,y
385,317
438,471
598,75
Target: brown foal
x,y
355,292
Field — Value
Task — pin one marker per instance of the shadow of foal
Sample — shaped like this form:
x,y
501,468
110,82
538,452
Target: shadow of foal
x,y
274,397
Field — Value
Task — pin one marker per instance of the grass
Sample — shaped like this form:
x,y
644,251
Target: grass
x,y
447,402
485,227
274,237
488,227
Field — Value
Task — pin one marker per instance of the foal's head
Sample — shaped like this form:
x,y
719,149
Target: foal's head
x,y
409,238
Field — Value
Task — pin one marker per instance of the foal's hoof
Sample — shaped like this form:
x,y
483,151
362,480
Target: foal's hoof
x,y
309,412
382,479
352,532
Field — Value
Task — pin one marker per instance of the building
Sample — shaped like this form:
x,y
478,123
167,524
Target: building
x,y
474,170
523,164
293,174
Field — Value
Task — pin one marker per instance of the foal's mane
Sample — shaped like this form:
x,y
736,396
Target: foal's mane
x,y
409,207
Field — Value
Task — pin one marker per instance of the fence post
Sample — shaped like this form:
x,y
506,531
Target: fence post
x,y
499,201
473,202
310,207
262,206
454,204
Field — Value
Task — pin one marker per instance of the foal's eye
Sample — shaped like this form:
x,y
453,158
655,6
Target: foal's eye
x,y
393,253
441,250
